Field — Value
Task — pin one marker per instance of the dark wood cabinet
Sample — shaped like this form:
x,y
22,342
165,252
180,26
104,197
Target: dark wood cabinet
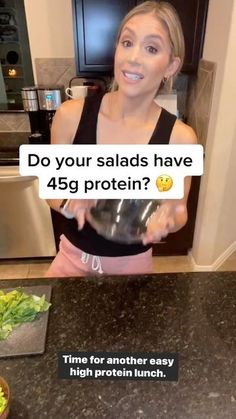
x,y
180,242
193,14
96,23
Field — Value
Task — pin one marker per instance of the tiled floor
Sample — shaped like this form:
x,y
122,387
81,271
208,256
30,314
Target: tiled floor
x,y
37,269
23,269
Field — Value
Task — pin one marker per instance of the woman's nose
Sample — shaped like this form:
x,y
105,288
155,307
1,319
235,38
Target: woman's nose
x,y
134,55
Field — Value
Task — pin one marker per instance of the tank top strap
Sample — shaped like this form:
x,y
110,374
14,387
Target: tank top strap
x,y
87,130
163,129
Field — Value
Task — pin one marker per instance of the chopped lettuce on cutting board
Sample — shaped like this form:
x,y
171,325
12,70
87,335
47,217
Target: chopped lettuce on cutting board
x,y
17,307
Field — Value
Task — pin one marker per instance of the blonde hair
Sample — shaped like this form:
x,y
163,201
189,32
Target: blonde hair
x,y
169,18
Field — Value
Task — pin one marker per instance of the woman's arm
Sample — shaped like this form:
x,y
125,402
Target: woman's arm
x,y
172,215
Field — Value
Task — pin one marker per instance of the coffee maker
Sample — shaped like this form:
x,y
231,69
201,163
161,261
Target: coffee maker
x,y
41,103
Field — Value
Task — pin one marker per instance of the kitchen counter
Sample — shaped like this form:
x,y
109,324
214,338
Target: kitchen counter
x,y
193,314
11,108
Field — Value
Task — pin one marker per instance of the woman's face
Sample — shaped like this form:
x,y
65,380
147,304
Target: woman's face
x,y
143,56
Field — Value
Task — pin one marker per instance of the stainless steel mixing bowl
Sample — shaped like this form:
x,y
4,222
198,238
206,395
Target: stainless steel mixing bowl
x,y
122,220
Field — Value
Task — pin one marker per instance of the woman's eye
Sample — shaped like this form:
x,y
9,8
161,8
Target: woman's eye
x,y
152,50
126,43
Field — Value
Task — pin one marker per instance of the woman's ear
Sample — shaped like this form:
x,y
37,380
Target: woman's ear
x,y
173,67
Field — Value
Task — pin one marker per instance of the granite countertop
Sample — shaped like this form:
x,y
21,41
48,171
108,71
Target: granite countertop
x,y
193,314
11,108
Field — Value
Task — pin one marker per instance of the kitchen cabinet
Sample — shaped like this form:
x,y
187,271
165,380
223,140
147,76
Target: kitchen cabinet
x,y
95,29
96,25
180,243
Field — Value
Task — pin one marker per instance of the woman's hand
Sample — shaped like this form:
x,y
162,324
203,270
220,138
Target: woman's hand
x,y
78,208
168,218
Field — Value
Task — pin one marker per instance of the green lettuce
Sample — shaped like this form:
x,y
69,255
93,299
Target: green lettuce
x,y
17,307
3,401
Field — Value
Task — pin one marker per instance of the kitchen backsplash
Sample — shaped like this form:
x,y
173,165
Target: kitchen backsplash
x,y
14,122
55,70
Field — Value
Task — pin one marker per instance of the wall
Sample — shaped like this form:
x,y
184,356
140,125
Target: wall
x,y
215,232
50,29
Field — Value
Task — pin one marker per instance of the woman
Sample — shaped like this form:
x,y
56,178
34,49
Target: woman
x,y
149,54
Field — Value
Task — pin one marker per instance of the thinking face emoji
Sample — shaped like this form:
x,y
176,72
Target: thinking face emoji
x,y
164,183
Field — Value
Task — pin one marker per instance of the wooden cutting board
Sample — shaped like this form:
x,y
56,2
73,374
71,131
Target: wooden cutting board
x,y
28,338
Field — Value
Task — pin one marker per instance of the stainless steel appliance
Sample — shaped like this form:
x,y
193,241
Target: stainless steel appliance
x,y
41,103
25,219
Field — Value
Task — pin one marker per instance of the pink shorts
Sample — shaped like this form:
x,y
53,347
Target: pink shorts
x,y
71,261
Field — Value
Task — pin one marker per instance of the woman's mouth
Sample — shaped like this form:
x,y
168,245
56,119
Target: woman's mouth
x,y
132,76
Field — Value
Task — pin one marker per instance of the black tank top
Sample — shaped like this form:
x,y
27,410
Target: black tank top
x,y
87,239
